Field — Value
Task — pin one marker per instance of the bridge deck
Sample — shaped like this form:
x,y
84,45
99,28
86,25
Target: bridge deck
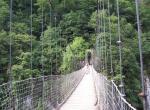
x,y
84,97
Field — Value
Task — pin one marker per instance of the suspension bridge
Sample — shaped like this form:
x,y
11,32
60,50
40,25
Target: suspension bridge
x,y
86,88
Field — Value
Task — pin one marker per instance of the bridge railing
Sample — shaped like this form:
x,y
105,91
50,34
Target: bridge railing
x,y
109,96
148,92
42,93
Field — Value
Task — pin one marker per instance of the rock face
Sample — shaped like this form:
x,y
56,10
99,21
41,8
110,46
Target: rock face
x,y
148,92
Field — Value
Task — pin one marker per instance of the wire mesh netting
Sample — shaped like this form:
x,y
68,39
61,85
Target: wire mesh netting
x,y
148,92
109,96
45,92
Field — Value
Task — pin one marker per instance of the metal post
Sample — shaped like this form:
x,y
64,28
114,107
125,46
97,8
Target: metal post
x,y
140,51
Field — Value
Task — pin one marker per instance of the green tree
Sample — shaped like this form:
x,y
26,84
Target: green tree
x,y
74,51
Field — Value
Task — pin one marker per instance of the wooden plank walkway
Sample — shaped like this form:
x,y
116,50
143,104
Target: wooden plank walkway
x,y
84,97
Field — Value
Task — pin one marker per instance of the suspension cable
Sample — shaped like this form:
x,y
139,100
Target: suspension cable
x,y
50,10
60,43
140,52
42,59
101,36
97,28
56,45
97,16
31,47
10,53
100,46
51,64
120,53
10,42
42,36
110,37
31,19
105,45
99,50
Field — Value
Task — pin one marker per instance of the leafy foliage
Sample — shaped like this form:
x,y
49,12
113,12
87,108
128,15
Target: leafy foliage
x,y
74,52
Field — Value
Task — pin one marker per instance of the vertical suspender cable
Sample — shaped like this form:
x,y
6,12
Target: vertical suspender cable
x,y
97,28
60,36
99,14
31,15
51,38
140,51
56,61
110,49
110,37
56,46
101,23
42,36
105,45
60,87
120,54
51,49
98,17
31,36
10,53
42,56
99,37
102,36
105,52
10,41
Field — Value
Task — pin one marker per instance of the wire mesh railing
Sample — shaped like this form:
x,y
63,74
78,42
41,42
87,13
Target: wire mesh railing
x,y
109,96
42,93
148,92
